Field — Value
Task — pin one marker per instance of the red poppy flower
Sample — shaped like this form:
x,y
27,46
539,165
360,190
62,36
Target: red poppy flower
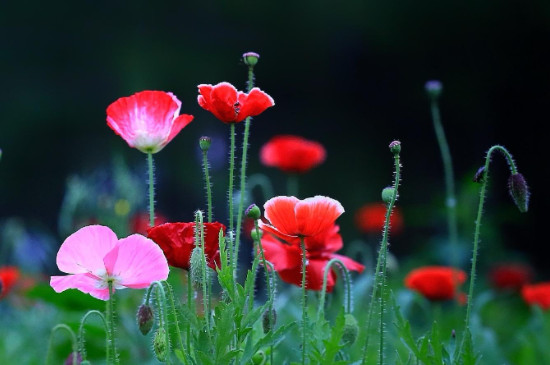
x,y
435,282
292,154
286,257
292,217
177,241
371,217
147,120
510,276
139,223
8,277
232,106
537,294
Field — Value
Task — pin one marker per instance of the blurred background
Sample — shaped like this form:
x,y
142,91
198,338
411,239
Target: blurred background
x,y
349,74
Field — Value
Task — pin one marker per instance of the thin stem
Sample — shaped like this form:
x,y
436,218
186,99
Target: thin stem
x,y
72,335
292,185
199,226
231,172
190,306
304,299
112,355
163,317
263,182
82,348
208,185
347,284
176,321
151,189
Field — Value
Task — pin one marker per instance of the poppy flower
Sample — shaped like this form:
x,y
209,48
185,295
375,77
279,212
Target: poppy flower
x,y
147,120
8,277
292,217
286,258
139,223
292,154
94,256
177,241
371,218
232,106
510,276
537,294
435,282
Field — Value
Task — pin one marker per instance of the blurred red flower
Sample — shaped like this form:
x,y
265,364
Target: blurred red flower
x,y
139,223
436,282
286,257
537,294
510,276
8,277
232,106
371,217
177,241
292,154
147,120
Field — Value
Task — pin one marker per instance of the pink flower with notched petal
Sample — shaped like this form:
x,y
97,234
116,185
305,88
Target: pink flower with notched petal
x,y
94,255
147,120
232,106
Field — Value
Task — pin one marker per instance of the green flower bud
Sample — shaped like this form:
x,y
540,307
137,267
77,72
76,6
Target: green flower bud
x,y
253,212
195,269
517,186
256,235
351,329
259,358
387,194
204,143
160,347
145,318
269,323
251,58
395,147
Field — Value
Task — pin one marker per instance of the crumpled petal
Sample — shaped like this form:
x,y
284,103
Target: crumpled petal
x,y
84,282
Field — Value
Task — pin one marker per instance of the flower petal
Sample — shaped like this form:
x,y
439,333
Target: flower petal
x,y
83,251
139,262
317,214
253,103
220,100
279,211
83,282
281,256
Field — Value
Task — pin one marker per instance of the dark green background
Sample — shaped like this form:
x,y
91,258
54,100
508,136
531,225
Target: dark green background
x,y
349,74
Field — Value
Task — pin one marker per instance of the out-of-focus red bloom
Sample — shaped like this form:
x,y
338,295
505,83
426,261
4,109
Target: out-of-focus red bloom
x,y
510,276
147,120
232,106
537,294
291,217
139,223
286,257
292,154
371,217
435,282
177,241
8,277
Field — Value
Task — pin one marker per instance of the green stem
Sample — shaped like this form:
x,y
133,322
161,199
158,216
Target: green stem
x,y
205,282
112,355
151,189
176,321
82,348
232,258
292,185
208,185
263,182
163,317
73,341
304,299
190,306
347,283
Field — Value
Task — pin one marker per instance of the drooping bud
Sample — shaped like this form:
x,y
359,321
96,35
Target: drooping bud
x,y
70,358
195,270
204,143
253,212
480,175
145,318
395,147
433,88
160,347
387,194
517,186
251,58
351,329
268,322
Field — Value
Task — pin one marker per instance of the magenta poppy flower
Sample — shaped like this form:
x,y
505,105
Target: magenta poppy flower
x,y
94,255
147,120
232,106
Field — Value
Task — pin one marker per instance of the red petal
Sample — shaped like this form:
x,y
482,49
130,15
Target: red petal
x,y
280,212
219,100
254,103
292,154
282,256
317,214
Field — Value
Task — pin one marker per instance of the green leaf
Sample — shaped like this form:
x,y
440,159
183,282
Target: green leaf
x,y
271,337
332,345
468,355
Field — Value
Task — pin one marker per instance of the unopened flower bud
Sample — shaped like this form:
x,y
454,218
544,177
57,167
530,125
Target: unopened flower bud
x,y
387,194
258,358
195,270
395,147
434,88
256,235
204,143
517,186
480,175
251,58
70,358
253,212
268,321
160,347
145,318
351,329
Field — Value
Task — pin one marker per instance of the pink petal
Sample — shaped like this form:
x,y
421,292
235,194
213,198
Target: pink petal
x,y
139,261
83,282
254,103
83,251
179,123
280,212
317,214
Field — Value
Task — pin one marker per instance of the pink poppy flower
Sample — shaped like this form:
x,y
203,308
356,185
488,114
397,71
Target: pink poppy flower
x,y
94,255
232,106
292,217
147,120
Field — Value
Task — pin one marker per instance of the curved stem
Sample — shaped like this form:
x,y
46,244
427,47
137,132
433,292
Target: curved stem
x,y
347,283
81,346
72,335
151,189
